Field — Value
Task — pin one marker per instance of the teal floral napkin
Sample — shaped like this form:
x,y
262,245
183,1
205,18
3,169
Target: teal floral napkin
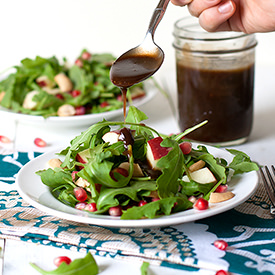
x,y
249,230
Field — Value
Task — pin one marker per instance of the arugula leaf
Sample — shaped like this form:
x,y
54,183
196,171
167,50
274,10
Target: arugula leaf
x,y
84,266
109,197
241,163
171,166
160,207
55,177
144,268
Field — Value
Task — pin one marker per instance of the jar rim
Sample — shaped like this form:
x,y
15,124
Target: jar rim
x,y
191,30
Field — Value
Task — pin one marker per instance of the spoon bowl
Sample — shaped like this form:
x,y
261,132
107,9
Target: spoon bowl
x,y
143,61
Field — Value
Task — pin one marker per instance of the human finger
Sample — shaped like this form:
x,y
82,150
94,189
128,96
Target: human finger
x,y
181,2
217,17
198,6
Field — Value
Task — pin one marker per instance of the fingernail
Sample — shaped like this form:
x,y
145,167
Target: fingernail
x,y
226,7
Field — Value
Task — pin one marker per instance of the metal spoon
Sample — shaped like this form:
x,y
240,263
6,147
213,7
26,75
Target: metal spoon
x,y
142,61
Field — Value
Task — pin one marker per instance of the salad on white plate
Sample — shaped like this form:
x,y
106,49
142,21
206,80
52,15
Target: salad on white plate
x,y
129,170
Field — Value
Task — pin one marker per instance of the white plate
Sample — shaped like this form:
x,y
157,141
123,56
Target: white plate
x,y
83,120
38,195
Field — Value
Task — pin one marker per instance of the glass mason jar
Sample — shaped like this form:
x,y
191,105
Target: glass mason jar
x,y
215,82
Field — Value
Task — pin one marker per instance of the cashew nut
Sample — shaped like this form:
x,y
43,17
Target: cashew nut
x,y
219,197
28,101
63,82
82,183
196,166
54,163
66,110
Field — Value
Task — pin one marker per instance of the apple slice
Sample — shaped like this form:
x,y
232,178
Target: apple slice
x,y
111,137
203,176
137,170
155,151
83,156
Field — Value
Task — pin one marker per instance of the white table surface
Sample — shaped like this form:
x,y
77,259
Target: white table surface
x,y
260,147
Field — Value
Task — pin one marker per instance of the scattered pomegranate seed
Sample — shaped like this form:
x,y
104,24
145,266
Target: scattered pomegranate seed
x,y
91,207
186,147
141,203
115,211
75,93
80,110
104,104
59,260
40,142
4,139
221,244
201,204
221,188
80,194
78,63
222,272
86,55
80,205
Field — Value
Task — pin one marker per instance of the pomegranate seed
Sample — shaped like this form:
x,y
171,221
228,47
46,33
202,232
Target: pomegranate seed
x,y
86,55
4,139
80,205
201,204
78,63
74,174
91,207
75,93
80,110
59,96
104,104
80,194
40,142
220,244
222,272
62,259
221,188
141,203
115,211
186,147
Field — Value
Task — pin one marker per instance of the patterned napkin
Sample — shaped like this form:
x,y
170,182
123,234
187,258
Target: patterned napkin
x,y
249,230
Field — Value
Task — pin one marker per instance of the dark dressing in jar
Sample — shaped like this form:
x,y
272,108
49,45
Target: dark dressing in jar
x,y
223,97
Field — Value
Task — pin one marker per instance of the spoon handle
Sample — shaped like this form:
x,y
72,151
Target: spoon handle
x,y
157,16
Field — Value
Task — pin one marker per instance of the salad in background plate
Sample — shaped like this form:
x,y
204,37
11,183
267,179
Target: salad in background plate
x,y
45,87
132,171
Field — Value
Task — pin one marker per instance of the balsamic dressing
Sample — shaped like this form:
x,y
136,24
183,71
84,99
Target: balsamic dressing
x,y
129,70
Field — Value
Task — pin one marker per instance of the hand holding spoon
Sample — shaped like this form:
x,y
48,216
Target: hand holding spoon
x,y
142,61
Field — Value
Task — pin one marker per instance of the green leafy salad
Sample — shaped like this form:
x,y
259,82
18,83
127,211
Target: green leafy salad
x,y
128,169
45,87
